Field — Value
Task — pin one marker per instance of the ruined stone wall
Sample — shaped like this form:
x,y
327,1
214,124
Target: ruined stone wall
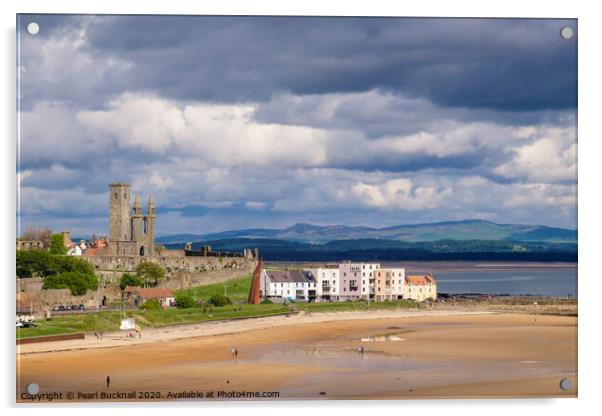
x,y
32,284
170,262
181,273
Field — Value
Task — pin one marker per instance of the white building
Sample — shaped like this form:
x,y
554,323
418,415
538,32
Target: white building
x,y
420,288
368,271
295,285
77,249
347,282
327,283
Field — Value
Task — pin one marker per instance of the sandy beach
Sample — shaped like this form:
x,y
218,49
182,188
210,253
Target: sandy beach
x,y
407,354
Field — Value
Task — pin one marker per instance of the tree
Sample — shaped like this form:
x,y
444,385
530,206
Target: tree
x,y
150,273
36,234
77,283
34,263
57,245
185,301
39,263
129,280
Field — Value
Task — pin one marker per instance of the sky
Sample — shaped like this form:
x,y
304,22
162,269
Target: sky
x,y
244,122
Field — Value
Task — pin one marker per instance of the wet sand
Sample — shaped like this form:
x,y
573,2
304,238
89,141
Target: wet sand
x,y
428,356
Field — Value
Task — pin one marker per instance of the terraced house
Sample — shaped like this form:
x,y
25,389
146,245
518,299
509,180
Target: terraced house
x,y
389,284
328,279
346,282
294,285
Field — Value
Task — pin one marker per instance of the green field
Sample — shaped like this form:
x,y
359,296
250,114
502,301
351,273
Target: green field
x,y
109,321
236,289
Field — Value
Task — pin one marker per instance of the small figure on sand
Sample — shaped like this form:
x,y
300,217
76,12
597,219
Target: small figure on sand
x,y
236,352
108,381
233,351
361,349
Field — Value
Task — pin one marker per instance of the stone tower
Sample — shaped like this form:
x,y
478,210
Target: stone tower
x,y
137,234
119,214
149,227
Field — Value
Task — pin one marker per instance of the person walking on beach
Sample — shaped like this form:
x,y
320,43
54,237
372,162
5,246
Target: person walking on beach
x,y
108,381
236,352
232,350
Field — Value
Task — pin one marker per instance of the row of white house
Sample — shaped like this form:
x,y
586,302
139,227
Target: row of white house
x,y
347,281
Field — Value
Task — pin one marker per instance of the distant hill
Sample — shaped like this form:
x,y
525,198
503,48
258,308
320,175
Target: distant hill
x,y
449,230
379,249
452,240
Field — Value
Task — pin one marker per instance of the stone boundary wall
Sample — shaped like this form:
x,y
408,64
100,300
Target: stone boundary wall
x,y
66,337
30,284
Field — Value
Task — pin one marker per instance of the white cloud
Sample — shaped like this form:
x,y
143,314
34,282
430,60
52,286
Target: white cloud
x,y
205,157
137,122
397,194
550,158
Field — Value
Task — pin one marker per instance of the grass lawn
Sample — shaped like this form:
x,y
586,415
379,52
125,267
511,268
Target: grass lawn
x,y
109,321
236,289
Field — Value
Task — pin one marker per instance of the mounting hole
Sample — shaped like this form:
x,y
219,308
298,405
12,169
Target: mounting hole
x,y
565,384
33,28
32,388
566,33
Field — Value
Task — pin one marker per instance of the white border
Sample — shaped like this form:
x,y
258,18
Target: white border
x,y
590,210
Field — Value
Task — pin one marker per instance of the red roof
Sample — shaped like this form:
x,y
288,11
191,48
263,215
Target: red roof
x,y
95,251
154,293
131,289
424,280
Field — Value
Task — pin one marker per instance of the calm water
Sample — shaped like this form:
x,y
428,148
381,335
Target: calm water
x,y
515,279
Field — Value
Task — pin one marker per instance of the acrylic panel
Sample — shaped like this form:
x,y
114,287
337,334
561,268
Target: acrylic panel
x,y
295,208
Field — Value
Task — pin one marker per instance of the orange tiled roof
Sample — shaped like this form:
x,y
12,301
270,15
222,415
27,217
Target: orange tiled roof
x,y
131,289
154,293
95,251
422,280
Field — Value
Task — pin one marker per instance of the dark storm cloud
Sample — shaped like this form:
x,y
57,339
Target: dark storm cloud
x,y
497,64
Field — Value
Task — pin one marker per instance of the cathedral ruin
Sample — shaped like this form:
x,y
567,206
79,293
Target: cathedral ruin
x,y
130,232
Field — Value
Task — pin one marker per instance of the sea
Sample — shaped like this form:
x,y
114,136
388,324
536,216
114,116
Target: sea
x,y
538,279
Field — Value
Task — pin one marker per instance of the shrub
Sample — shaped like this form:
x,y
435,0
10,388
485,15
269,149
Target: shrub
x,y
129,280
151,304
266,302
185,301
217,299
77,283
